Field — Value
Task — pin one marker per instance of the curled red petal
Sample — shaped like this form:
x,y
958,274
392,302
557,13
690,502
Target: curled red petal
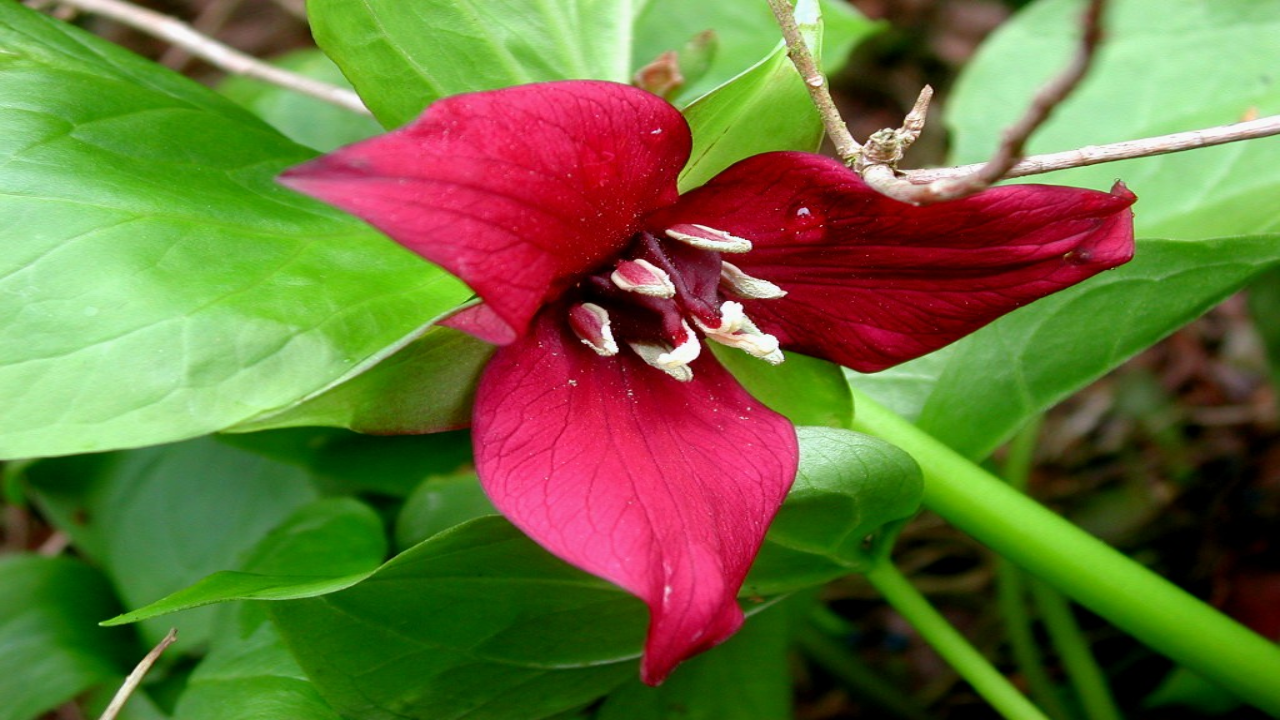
x,y
663,487
516,191
872,282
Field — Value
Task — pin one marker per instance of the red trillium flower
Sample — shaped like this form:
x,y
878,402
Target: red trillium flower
x,y
602,426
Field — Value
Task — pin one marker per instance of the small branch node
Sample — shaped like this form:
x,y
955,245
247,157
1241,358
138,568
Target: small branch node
x,y
1013,139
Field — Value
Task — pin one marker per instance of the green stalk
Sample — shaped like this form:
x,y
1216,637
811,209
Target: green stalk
x,y
1011,597
1087,678
950,644
1132,597
1011,588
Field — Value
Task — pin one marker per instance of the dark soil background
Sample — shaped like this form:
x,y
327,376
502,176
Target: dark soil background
x,y
1174,458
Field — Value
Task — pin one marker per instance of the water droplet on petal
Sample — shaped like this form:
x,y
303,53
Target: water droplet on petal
x,y
804,218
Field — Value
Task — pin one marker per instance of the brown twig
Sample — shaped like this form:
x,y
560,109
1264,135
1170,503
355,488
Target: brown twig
x,y
211,18
1112,152
885,178
54,545
135,678
883,150
815,82
214,52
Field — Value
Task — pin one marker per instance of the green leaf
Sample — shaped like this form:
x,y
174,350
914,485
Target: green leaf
x,y
189,509
156,284
484,623
747,678
850,487
343,462
1036,356
331,536
807,390
426,387
304,119
254,678
1202,64
249,674
401,56
765,108
53,649
479,623
439,504
744,33
324,547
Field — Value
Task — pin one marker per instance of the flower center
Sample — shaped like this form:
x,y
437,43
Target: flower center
x,y
662,289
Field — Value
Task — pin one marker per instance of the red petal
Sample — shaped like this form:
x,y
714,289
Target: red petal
x,y
516,191
665,488
873,282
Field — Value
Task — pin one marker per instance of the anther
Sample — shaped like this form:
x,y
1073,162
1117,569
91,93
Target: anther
x,y
705,238
673,361
644,278
732,319
742,285
736,330
590,323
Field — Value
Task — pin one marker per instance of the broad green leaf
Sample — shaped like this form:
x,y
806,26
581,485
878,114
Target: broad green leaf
x,y
439,504
765,108
254,678
51,648
189,509
156,284
1029,360
248,673
478,622
747,678
343,462
850,488
807,390
426,387
743,32
304,119
331,536
484,623
1201,64
324,547
401,56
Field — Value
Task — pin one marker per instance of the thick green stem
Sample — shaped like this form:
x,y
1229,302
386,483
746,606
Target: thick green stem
x,y
951,645
1132,597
